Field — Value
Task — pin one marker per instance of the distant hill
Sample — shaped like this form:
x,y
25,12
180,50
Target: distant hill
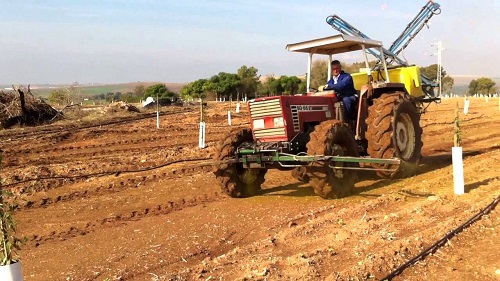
x,y
460,86
96,89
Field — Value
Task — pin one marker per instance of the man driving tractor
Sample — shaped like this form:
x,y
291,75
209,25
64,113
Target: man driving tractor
x,y
343,85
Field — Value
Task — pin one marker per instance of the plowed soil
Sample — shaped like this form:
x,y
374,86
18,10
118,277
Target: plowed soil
x,y
119,199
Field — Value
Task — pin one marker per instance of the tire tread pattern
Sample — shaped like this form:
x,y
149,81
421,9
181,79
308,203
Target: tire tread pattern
x,y
380,133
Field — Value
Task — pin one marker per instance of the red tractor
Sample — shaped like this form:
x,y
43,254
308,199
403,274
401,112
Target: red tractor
x,y
308,135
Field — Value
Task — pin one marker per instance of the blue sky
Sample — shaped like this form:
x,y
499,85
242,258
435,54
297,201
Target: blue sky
x,y
116,41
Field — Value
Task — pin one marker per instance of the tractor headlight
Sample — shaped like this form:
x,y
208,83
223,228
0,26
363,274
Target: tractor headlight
x,y
278,122
258,124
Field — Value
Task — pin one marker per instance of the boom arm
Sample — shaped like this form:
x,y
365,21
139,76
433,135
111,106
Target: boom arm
x,y
345,28
412,29
392,55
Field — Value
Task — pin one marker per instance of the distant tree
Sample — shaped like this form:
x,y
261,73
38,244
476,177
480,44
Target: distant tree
x,y
302,87
275,87
473,87
319,73
155,90
194,89
197,88
482,85
447,84
58,96
117,96
264,89
290,84
74,93
159,90
110,97
129,97
224,84
249,81
139,90
210,89
431,71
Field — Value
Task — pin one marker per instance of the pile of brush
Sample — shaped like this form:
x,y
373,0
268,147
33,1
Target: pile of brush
x,y
20,107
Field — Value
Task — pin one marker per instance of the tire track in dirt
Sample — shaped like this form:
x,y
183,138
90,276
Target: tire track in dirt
x,y
186,137
119,184
383,252
391,238
36,240
55,181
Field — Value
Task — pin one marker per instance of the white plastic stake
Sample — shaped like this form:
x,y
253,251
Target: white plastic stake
x,y
458,170
157,119
201,140
229,117
466,106
486,99
238,108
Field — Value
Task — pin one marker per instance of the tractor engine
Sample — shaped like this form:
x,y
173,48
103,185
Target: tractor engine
x,y
283,123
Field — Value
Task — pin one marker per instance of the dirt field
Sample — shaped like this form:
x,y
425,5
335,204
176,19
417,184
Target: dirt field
x,y
122,200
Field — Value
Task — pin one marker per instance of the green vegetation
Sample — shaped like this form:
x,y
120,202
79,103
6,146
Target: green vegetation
x,y
246,82
87,90
482,86
158,90
9,243
431,73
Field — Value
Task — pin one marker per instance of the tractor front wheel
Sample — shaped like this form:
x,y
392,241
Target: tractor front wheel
x,y
332,138
234,179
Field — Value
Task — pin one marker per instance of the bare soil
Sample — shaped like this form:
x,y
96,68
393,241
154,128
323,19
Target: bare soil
x,y
123,200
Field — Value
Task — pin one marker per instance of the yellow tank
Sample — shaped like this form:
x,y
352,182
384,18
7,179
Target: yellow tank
x,y
409,76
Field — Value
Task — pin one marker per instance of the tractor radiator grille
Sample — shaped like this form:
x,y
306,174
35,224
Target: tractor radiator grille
x,y
266,133
266,108
260,109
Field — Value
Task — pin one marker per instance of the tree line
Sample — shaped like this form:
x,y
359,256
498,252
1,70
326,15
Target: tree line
x,y
73,95
246,82
483,86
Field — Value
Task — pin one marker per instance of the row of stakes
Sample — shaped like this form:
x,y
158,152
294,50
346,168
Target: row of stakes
x,y
201,139
467,102
456,150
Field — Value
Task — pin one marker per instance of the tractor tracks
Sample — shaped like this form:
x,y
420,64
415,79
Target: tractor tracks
x,y
84,228
122,184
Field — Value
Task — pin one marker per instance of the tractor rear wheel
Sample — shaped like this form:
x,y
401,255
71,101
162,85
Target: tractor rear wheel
x,y
332,138
234,179
394,131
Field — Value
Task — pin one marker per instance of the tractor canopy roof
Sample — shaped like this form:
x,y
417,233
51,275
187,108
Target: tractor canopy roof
x,y
333,45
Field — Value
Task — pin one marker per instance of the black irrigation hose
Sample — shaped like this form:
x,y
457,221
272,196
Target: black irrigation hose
x,y
117,173
443,240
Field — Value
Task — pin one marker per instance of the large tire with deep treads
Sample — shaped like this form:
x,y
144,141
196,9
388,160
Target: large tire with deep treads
x,y
235,180
332,138
394,131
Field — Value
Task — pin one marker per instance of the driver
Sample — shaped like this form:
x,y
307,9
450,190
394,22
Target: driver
x,y
341,82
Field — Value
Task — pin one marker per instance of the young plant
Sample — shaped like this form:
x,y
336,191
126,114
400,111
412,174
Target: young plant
x,y
457,135
9,243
